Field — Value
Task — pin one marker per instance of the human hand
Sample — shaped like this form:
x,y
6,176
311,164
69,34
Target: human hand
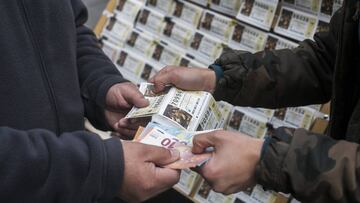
x,y
232,166
143,176
185,78
119,100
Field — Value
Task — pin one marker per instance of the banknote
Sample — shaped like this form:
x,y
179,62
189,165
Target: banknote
x,y
188,159
138,133
162,136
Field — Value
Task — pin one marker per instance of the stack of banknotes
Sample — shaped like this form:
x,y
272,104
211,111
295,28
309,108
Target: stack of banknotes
x,y
173,138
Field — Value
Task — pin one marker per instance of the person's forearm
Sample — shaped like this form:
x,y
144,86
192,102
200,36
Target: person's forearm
x,y
38,166
274,79
314,168
280,78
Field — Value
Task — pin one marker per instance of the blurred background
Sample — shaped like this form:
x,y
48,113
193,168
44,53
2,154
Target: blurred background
x,y
95,8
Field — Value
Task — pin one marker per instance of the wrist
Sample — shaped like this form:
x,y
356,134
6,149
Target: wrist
x,y
257,149
254,160
209,80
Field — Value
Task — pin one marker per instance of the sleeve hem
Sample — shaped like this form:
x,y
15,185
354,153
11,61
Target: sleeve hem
x,y
270,172
115,168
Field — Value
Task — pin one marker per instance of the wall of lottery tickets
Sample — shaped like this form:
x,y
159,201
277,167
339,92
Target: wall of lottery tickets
x,y
143,36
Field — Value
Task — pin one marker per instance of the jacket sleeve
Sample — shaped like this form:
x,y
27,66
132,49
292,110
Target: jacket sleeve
x,y
314,168
96,71
38,166
280,78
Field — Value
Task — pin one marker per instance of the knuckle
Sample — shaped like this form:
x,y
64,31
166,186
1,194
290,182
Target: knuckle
x,y
121,103
218,134
157,80
196,139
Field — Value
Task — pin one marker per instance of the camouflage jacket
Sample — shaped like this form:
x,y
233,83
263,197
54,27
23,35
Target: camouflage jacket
x,y
314,168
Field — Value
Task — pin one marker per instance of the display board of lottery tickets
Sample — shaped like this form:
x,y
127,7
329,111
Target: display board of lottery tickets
x,y
143,36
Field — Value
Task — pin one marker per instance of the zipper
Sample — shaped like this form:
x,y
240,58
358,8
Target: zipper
x,y
356,18
334,100
48,85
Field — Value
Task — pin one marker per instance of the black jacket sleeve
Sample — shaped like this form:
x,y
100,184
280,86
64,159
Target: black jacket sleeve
x,y
38,166
96,71
280,78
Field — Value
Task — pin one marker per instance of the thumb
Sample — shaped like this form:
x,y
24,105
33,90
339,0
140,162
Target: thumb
x,y
134,97
203,141
161,80
161,156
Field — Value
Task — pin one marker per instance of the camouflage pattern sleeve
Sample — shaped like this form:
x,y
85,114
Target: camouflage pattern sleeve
x,y
287,77
314,168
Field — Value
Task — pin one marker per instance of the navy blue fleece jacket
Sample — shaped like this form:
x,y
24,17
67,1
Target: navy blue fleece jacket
x,y
52,74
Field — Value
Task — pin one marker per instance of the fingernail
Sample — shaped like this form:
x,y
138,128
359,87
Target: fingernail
x,y
175,153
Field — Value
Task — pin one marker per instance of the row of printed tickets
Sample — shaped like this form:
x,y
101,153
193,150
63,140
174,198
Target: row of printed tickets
x,y
192,185
292,23
323,9
165,41
151,46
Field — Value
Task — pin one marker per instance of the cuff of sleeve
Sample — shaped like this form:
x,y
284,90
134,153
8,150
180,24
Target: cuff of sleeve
x,y
104,88
270,172
115,168
218,71
265,146
232,64
224,92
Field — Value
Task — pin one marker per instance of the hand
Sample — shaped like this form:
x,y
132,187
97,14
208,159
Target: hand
x,y
143,178
185,78
232,167
119,100
125,128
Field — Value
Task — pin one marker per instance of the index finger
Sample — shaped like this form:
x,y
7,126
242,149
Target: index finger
x,y
162,79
